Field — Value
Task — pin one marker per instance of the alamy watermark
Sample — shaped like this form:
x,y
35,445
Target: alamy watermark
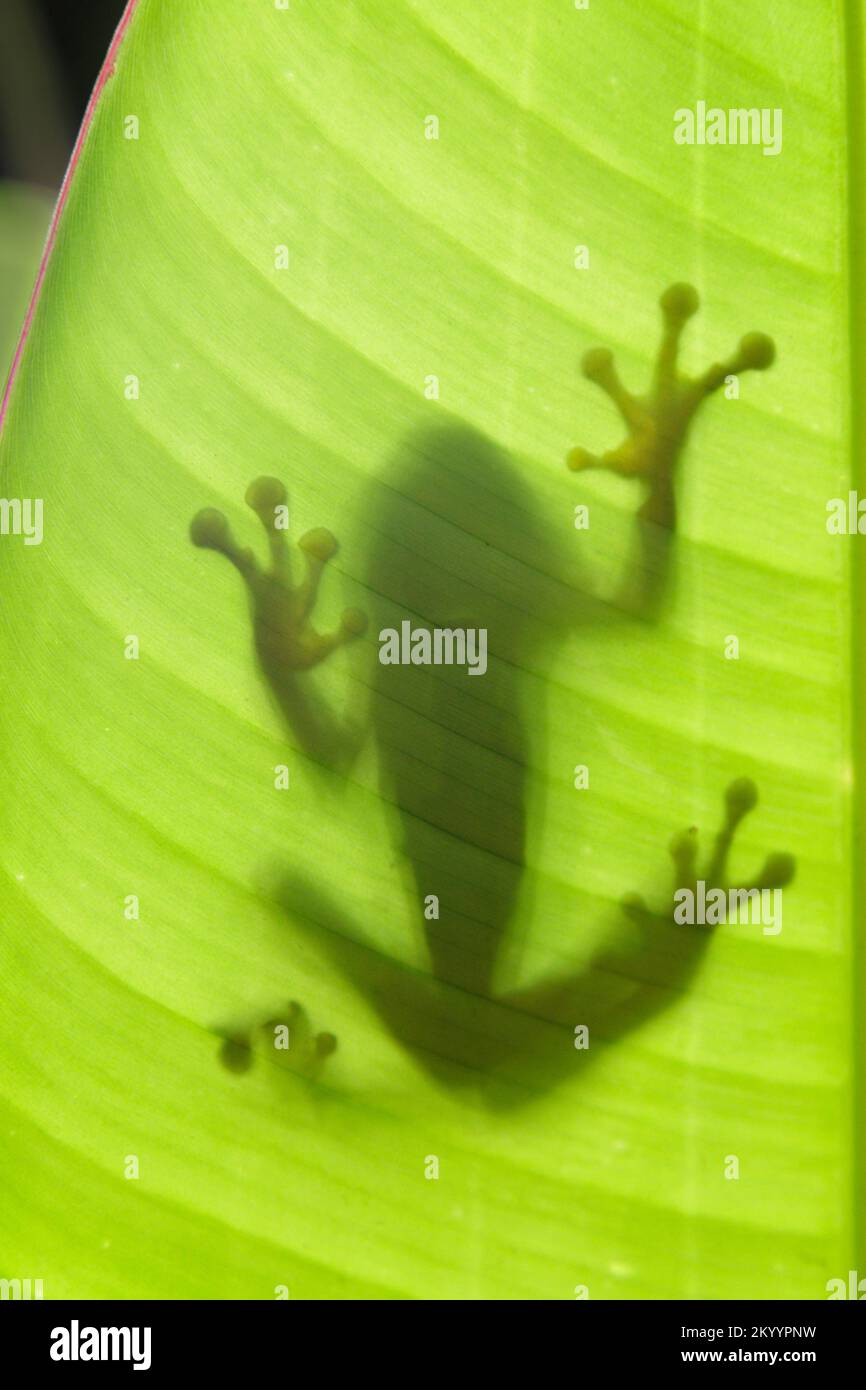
x,y
22,516
853,1288
709,907
846,516
734,125
77,1343
438,646
20,1289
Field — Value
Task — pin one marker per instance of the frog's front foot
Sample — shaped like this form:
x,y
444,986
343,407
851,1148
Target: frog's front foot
x,y
694,893
288,1038
657,423
285,638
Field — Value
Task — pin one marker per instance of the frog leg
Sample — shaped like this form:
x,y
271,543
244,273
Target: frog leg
x,y
623,987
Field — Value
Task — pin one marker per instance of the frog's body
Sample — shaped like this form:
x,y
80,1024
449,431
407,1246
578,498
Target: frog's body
x,y
459,545
449,514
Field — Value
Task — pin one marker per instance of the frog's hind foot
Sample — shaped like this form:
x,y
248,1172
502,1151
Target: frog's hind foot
x,y
741,797
288,1036
657,423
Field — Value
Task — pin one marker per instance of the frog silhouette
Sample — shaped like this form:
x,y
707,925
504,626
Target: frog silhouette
x,y
464,562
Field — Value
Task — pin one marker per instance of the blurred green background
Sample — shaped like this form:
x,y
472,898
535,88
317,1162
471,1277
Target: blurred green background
x,y
50,54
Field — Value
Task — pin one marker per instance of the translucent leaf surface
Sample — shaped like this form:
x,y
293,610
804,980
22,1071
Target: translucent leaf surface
x,y
410,258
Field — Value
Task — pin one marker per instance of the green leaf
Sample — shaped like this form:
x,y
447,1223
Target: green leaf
x,y
171,360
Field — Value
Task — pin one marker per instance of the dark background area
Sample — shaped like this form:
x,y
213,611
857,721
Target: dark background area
x,y
50,55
